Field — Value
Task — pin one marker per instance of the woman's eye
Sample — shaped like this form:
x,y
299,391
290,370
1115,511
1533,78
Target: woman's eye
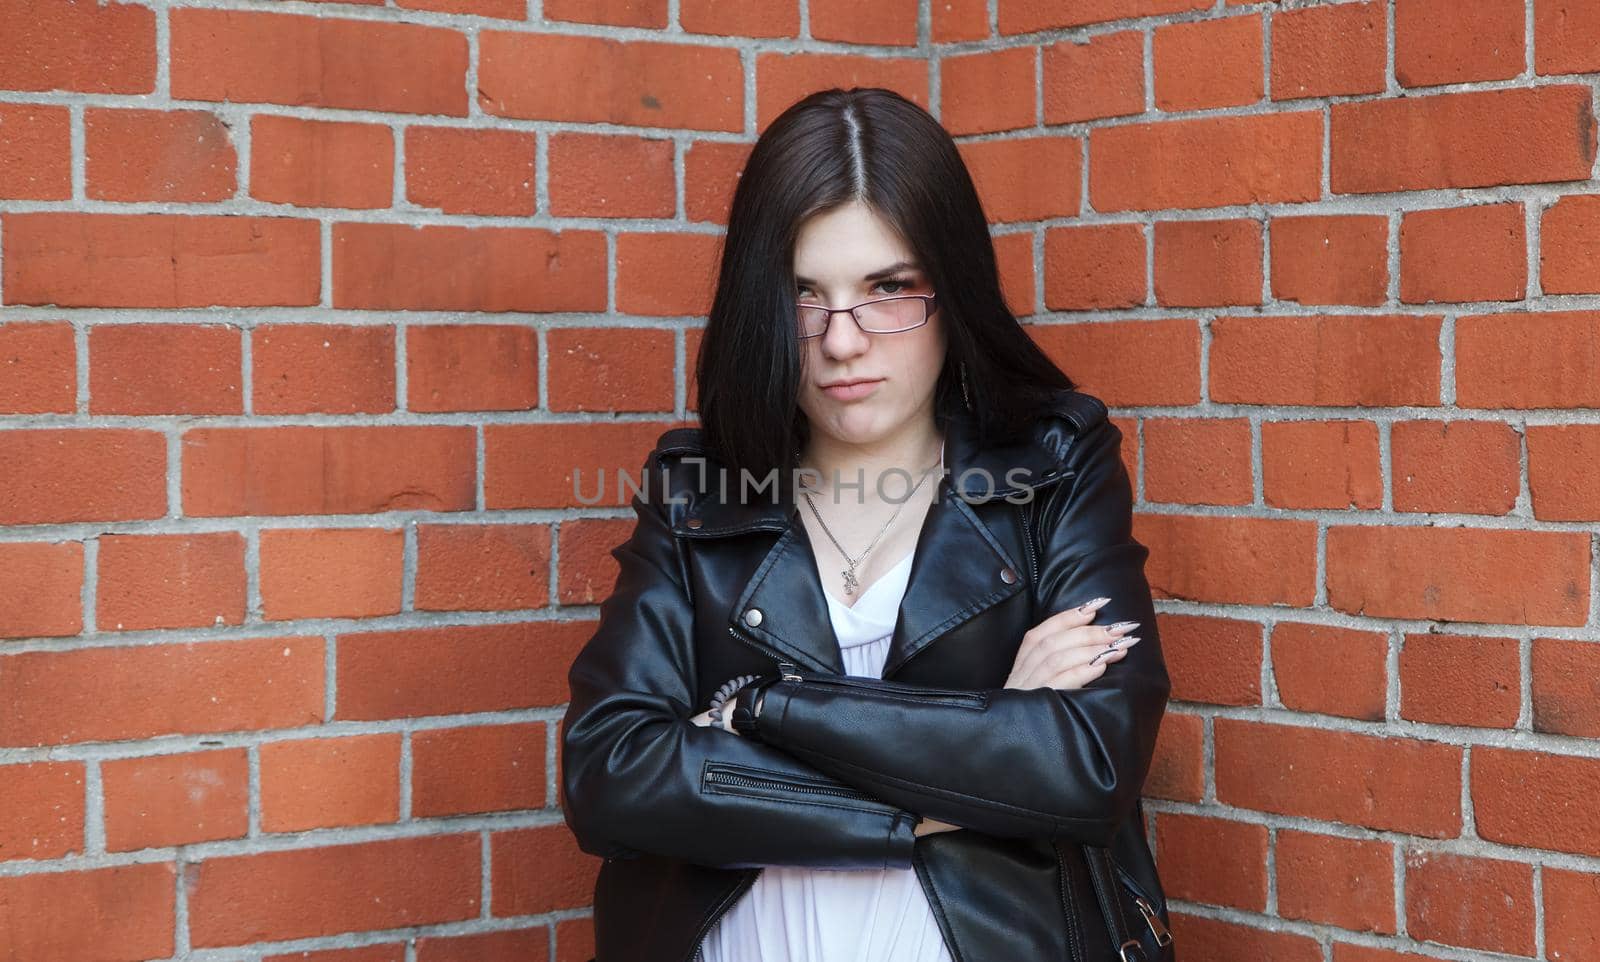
x,y
900,283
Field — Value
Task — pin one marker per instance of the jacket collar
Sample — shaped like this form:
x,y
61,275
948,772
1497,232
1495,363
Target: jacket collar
x,y
959,567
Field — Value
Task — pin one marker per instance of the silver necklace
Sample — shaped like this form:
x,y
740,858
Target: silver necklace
x,y
851,583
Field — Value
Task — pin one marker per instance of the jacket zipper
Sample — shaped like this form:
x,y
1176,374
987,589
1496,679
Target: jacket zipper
x,y
727,774
949,696
1151,917
717,910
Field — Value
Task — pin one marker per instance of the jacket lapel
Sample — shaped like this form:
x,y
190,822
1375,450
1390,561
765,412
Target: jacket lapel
x,y
958,569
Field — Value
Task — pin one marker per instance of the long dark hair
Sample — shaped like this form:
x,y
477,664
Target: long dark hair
x,y
833,147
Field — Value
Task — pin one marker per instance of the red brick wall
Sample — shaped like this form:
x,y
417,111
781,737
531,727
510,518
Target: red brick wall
x,y
297,299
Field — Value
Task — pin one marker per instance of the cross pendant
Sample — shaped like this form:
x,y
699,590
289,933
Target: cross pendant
x,y
850,582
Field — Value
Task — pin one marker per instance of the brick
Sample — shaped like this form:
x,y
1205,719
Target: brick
x,y
1321,464
1332,880
521,471
599,175
1569,257
1207,939
1206,162
1383,782
482,768
1528,360
1014,260
1218,861
636,83
711,171
1205,263
495,567
1101,76
1534,800
158,155
783,78
724,19
1234,560
844,21
1330,259
650,14
1177,770
503,9
588,568
1213,660
497,667
96,48
321,163
1331,670
441,267
988,91
461,170
1329,50
188,580
122,912
1566,687
471,367
41,810
160,260
57,475
1457,41
957,20
322,369
311,783
246,56
539,869
1030,17
112,694
1477,253
609,369
1366,360
1479,138
665,274
1566,39
1560,478
41,367
1026,178
1470,902
1468,467
529,943
331,889
1203,64
1571,901
1094,266
41,587
1198,461
184,368
327,470
1460,680
320,573
1459,574
1168,349
35,150
180,799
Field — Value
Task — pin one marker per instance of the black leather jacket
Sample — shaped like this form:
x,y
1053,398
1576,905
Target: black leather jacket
x,y
840,767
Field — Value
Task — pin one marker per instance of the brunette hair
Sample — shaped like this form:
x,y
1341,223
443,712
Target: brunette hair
x,y
833,147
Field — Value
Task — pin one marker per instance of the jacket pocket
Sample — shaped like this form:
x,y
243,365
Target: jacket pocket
x,y
956,697
727,778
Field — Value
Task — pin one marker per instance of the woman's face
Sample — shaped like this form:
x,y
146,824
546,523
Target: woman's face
x,y
840,259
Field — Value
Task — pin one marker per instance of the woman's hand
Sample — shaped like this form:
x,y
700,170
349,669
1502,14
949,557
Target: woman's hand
x,y
1066,651
928,826
704,719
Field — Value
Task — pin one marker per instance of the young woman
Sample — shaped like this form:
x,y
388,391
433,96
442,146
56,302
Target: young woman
x,y
879,679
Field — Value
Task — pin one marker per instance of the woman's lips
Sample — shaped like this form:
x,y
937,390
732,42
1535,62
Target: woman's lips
x,y
851,392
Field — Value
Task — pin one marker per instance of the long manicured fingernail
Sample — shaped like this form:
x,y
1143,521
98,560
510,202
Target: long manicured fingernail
x,y
1094,605
1127,642
1123,626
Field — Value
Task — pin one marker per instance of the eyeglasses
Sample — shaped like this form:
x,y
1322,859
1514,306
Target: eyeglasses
x,y
887,315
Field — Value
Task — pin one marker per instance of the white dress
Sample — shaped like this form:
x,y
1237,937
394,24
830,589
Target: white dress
x,y
798,914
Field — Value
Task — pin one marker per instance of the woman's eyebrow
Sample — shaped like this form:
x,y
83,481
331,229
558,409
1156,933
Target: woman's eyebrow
x,y
875,275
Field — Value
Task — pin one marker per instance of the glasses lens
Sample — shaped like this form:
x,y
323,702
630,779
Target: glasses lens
x,y
813,321
892,314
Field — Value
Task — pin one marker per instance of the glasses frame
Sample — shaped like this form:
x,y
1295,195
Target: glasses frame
x,y
929,308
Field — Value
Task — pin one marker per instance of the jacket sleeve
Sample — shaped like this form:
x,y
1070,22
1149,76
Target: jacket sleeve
x,y
638,776
1006,761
